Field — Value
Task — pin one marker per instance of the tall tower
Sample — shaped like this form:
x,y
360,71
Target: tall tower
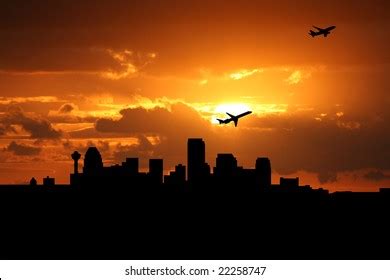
x,y
131,165
180,171
156,167
196,159
76,156
263,172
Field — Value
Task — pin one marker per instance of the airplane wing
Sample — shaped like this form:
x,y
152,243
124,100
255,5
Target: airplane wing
x,y
230,115
319,29
244,114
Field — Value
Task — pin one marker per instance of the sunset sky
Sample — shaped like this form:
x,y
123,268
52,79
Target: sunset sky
x,y
137,78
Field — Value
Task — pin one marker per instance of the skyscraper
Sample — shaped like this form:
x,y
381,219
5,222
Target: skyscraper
x,y
156,170
226,165
196,159
131,165
180,173
177,177
263,172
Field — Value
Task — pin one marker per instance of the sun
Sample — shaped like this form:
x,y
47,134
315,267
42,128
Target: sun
x,y
231,108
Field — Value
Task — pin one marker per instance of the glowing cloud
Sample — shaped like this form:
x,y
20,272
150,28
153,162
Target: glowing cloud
x,y
232,108
130,62
244,73
352,125
297,76
203,82
294,78
42,99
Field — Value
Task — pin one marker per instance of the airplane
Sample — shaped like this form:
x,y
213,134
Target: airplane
x,y
233,118
321,31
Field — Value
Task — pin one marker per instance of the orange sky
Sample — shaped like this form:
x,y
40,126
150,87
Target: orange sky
x,y
137,78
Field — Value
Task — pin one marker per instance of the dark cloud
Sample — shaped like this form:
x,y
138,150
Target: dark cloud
x,y
329,177
22,149
69,113
5,128
143,150
180,119
171,126
376,175
103,146
92,133
38,127
69,118
326,147
66,108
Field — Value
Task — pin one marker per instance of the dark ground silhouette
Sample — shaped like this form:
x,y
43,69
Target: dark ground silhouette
x,y
232,213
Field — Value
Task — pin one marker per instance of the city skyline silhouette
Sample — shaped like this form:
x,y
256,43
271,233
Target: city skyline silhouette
x,y
196,176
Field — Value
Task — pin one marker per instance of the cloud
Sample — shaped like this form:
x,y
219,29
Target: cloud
x,y
143,149
327,177
376,175
69,113
37,127
131,63
294,78
67,108
22,149
244,73
20,99
295,141
297,76
171,126
179,118
351,125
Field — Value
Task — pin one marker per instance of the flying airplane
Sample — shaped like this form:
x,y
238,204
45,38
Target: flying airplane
x,y
321,31
233,118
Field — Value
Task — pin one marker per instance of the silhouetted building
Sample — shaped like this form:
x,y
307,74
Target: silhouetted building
x,y
177,177
156,171
289,182
384,191
131,165
226,165
93,163
229,176
263,172
198,170
180,173
33,182
48,181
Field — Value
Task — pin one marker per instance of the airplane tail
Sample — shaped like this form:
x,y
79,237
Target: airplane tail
x,y
312,33
220,121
